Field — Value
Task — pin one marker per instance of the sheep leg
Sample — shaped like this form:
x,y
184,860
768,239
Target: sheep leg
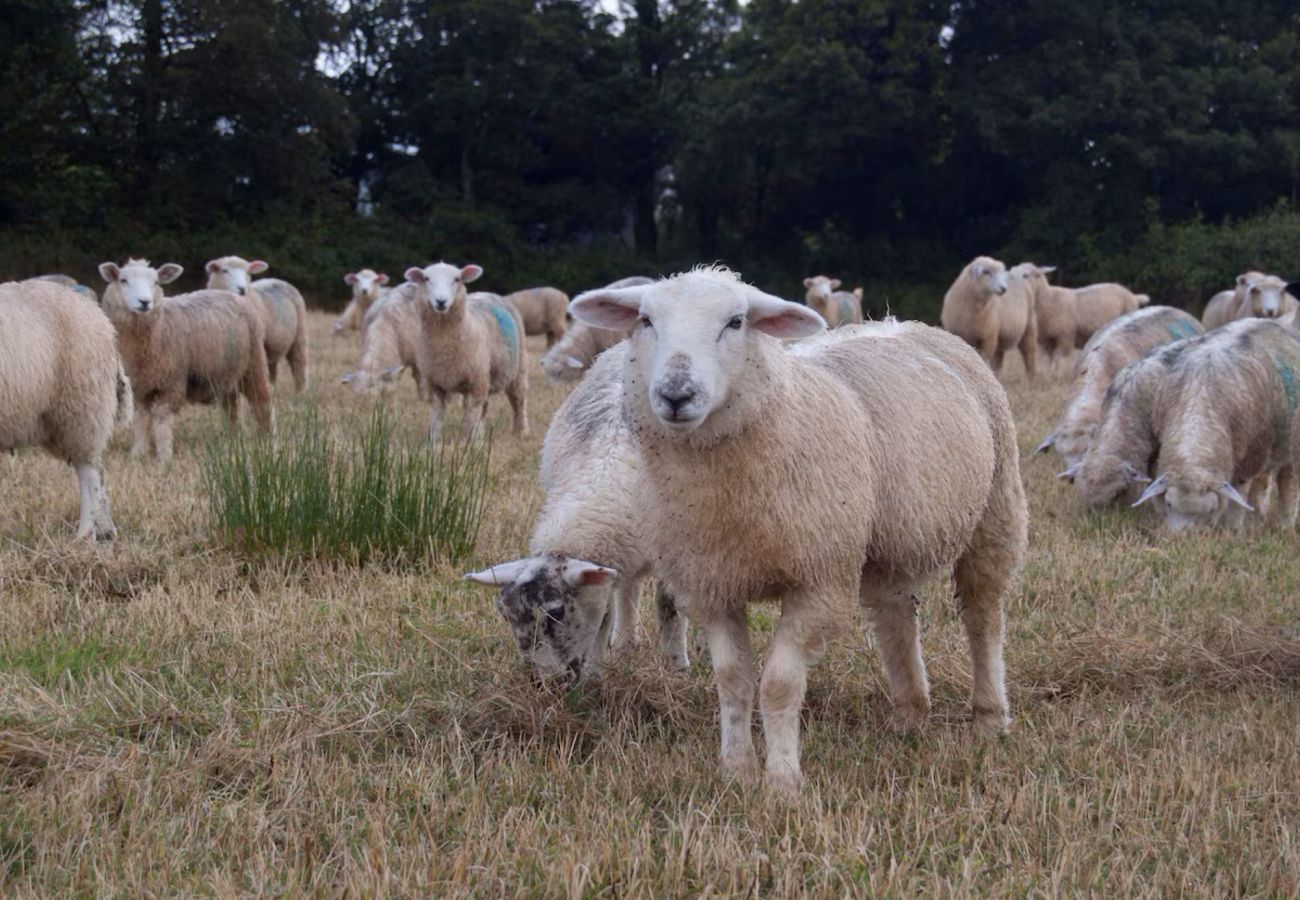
x,y
298,363
1284,508
140,427
672,630
733,671
517,394
980,579
1029,348
90,485
230,403
626,630
271,366
105,530
437,409
162,432
894,614
797,645
475,412
1257,496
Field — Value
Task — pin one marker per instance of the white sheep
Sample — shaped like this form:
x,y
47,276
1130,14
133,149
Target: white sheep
x,y
1225,306
368,286
562,606
192,348
733,428
1114,346
581,344
278,303
1097,304
62,387
835,306
390,340
543,310
470,344
991,313
1055,318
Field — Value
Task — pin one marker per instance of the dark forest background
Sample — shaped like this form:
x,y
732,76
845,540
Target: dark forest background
x,y
572,142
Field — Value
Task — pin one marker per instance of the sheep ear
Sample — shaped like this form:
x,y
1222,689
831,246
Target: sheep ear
x,y
781,318
1228,492
1154,489
416,275
258,266
169,272
807,282
574,363
388,376
471,273
604,308
580,573
1134,474
1047,444
1070,473
212,266
976,271
109,272
835,284
502,574
1241,279
350,278
1046,270
383,278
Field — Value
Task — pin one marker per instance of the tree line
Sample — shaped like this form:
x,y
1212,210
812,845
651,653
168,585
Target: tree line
x,y
568,141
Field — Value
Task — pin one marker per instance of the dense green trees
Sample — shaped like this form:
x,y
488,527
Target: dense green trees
x,y
886,140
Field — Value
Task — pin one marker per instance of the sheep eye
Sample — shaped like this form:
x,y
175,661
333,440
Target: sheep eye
x,y
645,320
736,322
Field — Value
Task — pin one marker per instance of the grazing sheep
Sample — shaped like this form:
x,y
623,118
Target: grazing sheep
x,y
835,306
1097,304
192,348
983,310
543,311
563,607
283,312
581,344
367,288
470,344
390,339
1054,314
1118,343
62,387
1225,306
729,422
1223,420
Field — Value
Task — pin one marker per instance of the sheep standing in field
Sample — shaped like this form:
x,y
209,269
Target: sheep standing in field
x,y
562,606
1225,306
835,306
280,305
1257,296
1097,304
1223,422
62,387
368,286
390,340
1055,320
581,344
543,311
982,309
728,422
1118,343
192,348
470,344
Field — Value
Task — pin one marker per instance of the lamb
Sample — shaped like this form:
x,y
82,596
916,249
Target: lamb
x,y
1097,304
280,305
581,344
1118,343
1223,420
835,306
367,288
390,337
192,348
727,420
591,470
983,310
62,387
543,310
470,344
1225,305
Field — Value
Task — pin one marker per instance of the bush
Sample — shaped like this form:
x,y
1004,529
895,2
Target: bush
x,y
303,493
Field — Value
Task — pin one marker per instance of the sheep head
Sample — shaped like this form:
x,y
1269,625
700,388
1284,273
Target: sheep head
x,y
990,275
138,284
1266,296
365,284
233,273
442,284
1193,498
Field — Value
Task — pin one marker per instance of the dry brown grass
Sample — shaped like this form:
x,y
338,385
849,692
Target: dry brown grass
x,y
176,720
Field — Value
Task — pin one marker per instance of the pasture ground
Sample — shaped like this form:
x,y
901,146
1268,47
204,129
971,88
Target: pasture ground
x,y
175,719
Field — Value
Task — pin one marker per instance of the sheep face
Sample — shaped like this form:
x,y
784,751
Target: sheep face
x,y
366,284
558,608
1103,479
820,288
1265,296
139,284
990,276
443,284
562,368
1194,499
694,335
233,273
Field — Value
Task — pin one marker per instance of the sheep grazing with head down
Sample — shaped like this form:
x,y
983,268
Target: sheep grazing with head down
x,y
277,302
390,341
579,589
1223,423
574,353
991,313
470,344
368,286
62,387
1118,343
543,310
1225,306
835,306
193,348
728,422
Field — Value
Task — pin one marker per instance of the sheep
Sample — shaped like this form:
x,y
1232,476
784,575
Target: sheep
x,y
835,306
1097,304
1118,343
1223,421
62,387
470,344
368,286
1256,296
390,337
1055,319
195,348
982,309
728,421
280,305
581,344
543,310
1225,305
591,470
69,282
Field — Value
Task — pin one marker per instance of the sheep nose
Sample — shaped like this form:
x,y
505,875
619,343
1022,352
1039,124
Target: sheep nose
x,y
144,305
676,396
440,304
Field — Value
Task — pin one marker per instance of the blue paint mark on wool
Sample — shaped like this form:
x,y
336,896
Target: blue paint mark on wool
x,y
1287,374
509,330
1181,329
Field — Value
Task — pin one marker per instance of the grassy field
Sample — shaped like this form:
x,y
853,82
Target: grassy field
x,y
177,719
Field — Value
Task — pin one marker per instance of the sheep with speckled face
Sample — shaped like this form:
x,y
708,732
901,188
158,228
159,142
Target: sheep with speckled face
x,y
579,589
727,420
835,306
574,353
193,348
993,314
470,344
62,387
368,287
279,305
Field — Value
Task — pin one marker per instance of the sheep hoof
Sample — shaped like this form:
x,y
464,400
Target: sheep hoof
x,y
909,718
785,783
992,722
740,767
676,662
